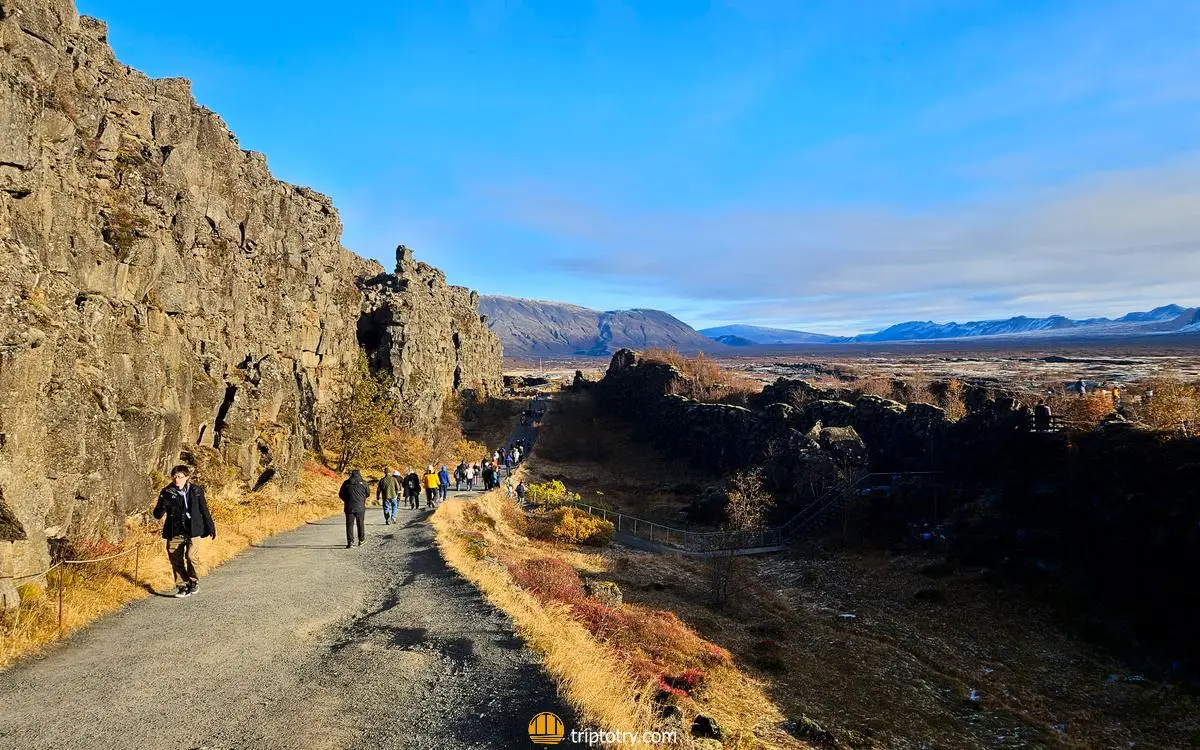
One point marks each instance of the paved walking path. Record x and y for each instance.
(296, 643)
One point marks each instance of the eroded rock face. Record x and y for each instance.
(159, 289)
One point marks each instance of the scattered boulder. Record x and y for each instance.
(607, 593)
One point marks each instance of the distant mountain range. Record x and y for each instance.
(535, 328)
(1160, 320)
(739, 335)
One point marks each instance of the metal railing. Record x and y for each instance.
(718, 541)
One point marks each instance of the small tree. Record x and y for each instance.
(1171, 404)
(746, 517)
(358, 418)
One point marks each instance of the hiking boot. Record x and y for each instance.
(349, 545)
(193, 587)
(183, 592)
(360, 542)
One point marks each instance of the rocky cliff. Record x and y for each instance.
(160, 291)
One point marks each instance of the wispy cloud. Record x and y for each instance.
(1102, 244)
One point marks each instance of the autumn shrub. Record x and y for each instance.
(549, 579)
(571, 526)
(549, 495)
(703, 379)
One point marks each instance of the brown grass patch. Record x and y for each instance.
(616, 665)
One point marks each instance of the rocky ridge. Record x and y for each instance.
(160, 290)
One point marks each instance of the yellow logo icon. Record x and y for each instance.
(546, 729)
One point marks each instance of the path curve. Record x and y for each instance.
(295, 643)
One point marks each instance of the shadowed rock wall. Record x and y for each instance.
(160, 290)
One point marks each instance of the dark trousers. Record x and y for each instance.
(359, 519)
(179, 551)
(431, 494)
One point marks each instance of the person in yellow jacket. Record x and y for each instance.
(431, 483)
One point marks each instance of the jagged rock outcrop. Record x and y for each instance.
(160, 290)
(399, 310)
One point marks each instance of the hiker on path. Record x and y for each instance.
(508, 487)
(389, 493)
(354, 494)
(521, 493)
(443, 483)
(431, 487)
(469, 476)
(459, 476)
(187, 517)
(412, 489)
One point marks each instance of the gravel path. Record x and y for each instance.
(296, 643)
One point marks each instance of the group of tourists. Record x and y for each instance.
(486, 474)
(184, 508)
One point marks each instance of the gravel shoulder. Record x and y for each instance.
(296, 643)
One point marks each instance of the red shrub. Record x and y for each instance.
(549, 579)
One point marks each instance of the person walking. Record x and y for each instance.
(412, 489)
(508, 487)
(469, 472)
(187, 517)
(521, 492)
(388, 492)
(431, 487)
(458, 477)
(443, 483)
(354, 494)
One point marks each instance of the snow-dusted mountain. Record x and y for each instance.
(1160, 320)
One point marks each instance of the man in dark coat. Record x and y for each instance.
(354, 494)
(187, 517)
(412, 488)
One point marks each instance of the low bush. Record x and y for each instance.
(549, 579)
(571, 526)
(552, 494)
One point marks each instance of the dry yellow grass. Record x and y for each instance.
(94, 590)
(591, 674)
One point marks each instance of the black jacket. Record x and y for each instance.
(354, 493)
(412, 484)
(193, 521)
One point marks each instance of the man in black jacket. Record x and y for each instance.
(412, 489)
(187, 517)
(354, 494)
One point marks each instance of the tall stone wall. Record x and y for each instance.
(160, 291)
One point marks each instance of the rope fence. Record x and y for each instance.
(61, 583)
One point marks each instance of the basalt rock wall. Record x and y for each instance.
(161, 292)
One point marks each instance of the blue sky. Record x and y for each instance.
(824, 165)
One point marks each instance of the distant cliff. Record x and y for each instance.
(537, 328)
(161, 292)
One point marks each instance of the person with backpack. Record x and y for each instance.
(443, 483)
(354, 494)
(186, 511)
(459, 477)
(521, 492)
(412, 489)
(388, 492)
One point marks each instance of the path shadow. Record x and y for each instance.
(141, 584)
(298, 546)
